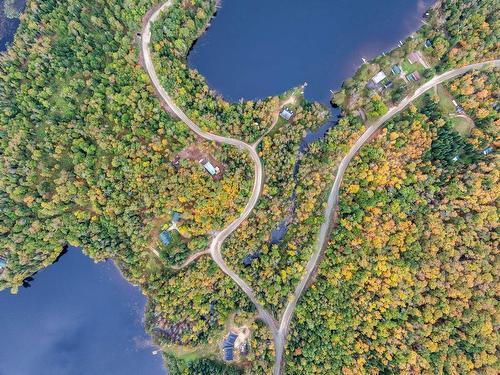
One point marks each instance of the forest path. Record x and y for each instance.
(216, 244)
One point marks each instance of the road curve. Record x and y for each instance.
(334, 195)
(215, 246)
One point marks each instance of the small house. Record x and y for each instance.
(166, 238)
(228, 346)
(427, 43)
(488, 150)
(413, 58)
(379, 77)
(458, 108)
(396, 69)
(286, 113)
(415, 76)
(209, 167)
(247, 261)
(3, 263)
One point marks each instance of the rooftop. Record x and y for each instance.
(228, 354)
(286, 113)
(379, 77)
(210, 168)
(166, 238)
(488, 150)
(228, 346)
(176, 216)
(413, 57)
(396, 69)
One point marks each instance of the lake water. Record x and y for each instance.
(258, 48)
(8, 26)
(80, 318)
(77, 318)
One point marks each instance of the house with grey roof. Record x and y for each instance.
(286, 113)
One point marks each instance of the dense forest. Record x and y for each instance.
(89, 157)
(408, 282)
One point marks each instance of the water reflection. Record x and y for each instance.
(77, 318)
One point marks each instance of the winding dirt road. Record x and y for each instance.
(334, 196)
(215, 246)
(279, 330)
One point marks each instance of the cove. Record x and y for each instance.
(77, 317)
(254, 49)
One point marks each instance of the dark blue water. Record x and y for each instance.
(257, 48)
(8, 26)
(77, 318)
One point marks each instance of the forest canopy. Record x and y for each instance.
(89, 157)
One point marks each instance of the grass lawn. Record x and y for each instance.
(463, 125)
(410, 68)
(445, 100)
(191, 354)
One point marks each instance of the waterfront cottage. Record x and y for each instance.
(286, 113)
(413, 58)
(396, 69)
(379, 77)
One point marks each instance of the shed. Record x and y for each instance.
(396, 69)
(379, 77)
(427, 43)
(286, 113)
(3, 263)
(413, 58)
(166, 238)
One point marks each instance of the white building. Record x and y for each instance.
(379, 77)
